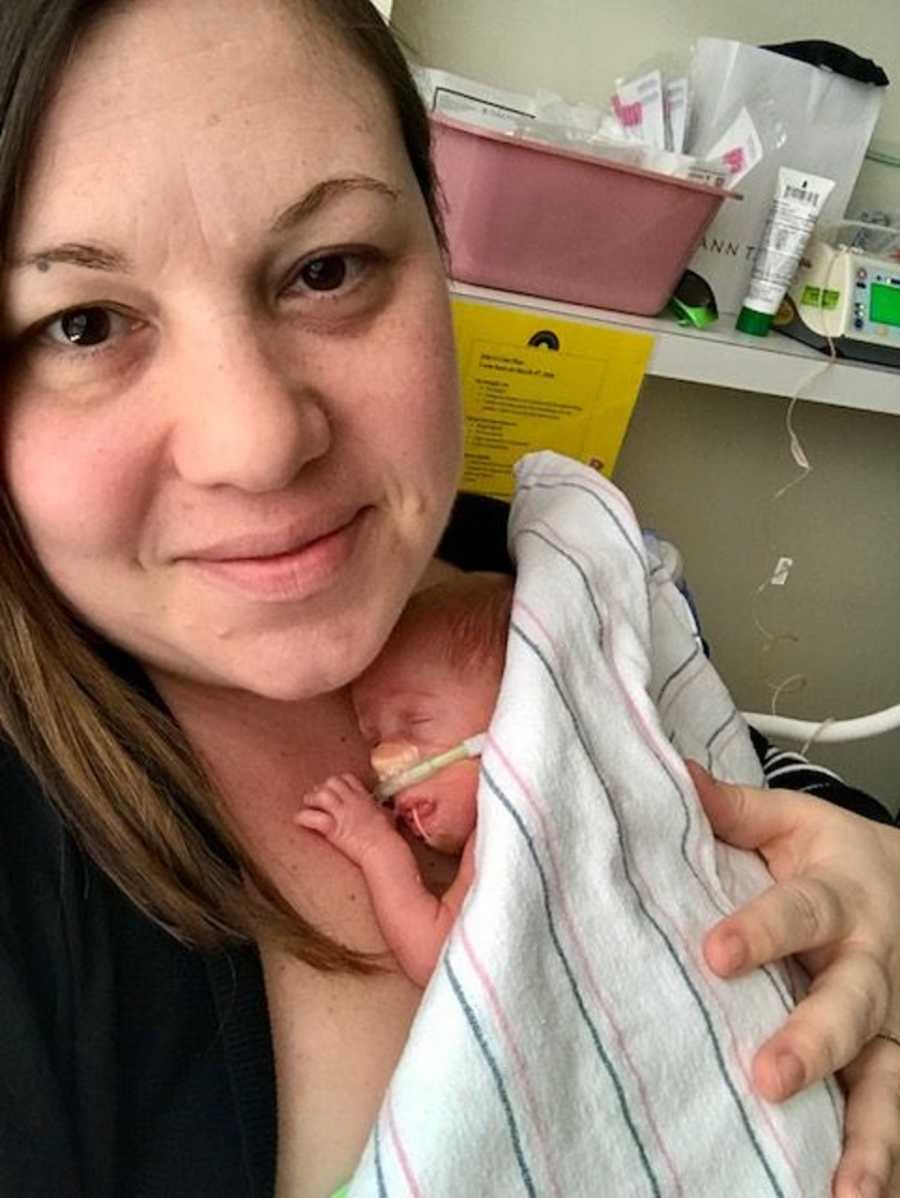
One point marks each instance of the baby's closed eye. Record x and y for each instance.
(397, 728)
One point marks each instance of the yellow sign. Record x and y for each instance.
(532, 381)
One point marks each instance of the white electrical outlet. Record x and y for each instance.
(781, 571)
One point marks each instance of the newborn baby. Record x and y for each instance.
(433, 688)
(573, 979)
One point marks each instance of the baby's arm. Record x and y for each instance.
(414, 922)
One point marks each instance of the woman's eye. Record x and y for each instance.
(77, 347)
(84, 328)
(325, 274)
(330, 273)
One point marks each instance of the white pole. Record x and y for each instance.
(825, 732)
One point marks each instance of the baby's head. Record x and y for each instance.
(434, 685)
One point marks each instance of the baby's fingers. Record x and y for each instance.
(870, 1165)
(795, 916)
(315, 820)
(827, 1029)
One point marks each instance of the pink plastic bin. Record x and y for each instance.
(555, 223)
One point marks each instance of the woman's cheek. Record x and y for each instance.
(426, 382)
(77, 486)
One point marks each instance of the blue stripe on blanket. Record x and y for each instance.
(768, 970)
(481, 1040)
(676, 672)
(557, 484)
(670, 948)
(718, 732)
(570, 977)
(685, 809)
(379, 1164)
(573, 561)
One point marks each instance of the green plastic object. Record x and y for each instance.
(693, 302)
(757, 324)
(688, 314)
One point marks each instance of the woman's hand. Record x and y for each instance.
(836, 905)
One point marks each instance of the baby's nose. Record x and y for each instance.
(390, 757)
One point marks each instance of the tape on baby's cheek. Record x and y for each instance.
(393, 757)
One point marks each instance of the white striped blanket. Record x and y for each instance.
(572, 1042)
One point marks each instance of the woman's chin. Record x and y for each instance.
(286, 690)
(291, 677)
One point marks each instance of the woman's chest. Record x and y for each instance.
(336, 1037)
(336, 1040)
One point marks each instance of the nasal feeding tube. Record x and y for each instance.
(472, 746)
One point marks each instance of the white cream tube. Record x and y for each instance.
(798, 201)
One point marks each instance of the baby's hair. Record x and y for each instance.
(466, 619)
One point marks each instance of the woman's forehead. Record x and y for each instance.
(159, 56)
(241, 94)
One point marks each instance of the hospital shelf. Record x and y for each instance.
(722, 357)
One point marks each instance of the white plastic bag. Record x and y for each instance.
(828, 122)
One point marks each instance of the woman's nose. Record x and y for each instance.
(242, 418)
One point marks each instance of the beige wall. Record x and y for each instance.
(701, 463)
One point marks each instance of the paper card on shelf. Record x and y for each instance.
(532, 381)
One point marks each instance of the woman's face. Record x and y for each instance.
(231, 428)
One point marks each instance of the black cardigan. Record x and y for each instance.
(131, 1067)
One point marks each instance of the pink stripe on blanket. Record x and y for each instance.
(521, 1067)
(400, 1152)
(584, 959)
(662, 750)
(761, 1106)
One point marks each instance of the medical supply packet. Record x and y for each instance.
(638, 129)
(470, 100)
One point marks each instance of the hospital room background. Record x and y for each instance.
(701, 462)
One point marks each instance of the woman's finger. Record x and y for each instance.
(795, 916)
(870, 1166)
(742, 815)
(828, 1028)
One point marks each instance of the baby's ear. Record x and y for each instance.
(369, 735)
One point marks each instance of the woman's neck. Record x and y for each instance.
(252, 744)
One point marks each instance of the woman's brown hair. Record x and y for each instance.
(106, 753)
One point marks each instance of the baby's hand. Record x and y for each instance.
(347, 815)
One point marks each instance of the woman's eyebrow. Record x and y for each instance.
(96, 257)
(90, 257)
(327, 190)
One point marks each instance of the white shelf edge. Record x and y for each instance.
(722, 357)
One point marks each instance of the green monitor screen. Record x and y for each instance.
(884, 307)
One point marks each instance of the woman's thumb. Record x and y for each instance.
(744, 816)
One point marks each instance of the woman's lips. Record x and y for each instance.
(291, 575)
